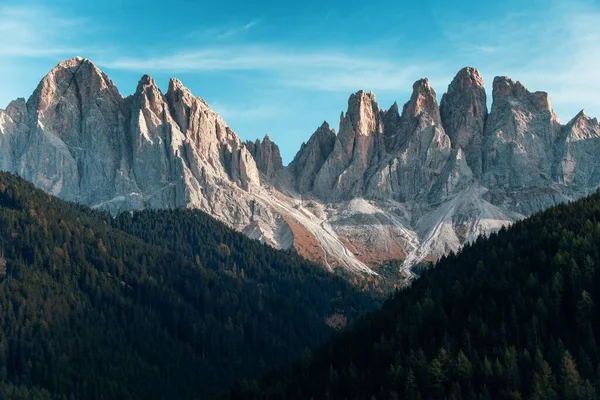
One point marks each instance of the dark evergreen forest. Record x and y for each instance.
(150, 305)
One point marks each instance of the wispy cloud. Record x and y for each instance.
(234, 31)
(222, 32)
(315, 69)
(30, 37)
(249, 112)
(553, 48)
(36, 32)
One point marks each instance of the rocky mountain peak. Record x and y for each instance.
(542, 102)
(358, 144)
(581, 127)
(149, 95)
(519, 138)
(73, 63)
(146, 83)
(267, 156)
(178, 93)
(180, 100)
(506, 88)
(422, 86)
(80, 71)
(17, 110)
(362, 112)
(311, 157)
(463, 111)
(74, 79)
(511, 94)
(577, 147)
(325, 128)
(422, 102)
(391, 125)
(324, 131)
(466, 79)
(176, 85)
(580, 118)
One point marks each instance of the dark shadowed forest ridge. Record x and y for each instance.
(88, 311)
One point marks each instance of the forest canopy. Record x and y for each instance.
(153, 304)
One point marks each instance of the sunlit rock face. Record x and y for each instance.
(409, 184)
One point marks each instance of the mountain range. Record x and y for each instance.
(406, 184)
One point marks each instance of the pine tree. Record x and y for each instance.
(464, 368)
(411, 390)
(571, 384)
(543, 380)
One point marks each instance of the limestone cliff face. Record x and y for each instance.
(391, 126)
(358, 146)
(577, 150)
(209, 143)
(463, 111)
(268, 161)
(519, 137)
(410, 184)
(424, 147)
(418, 152)
(77, 121)
(311, 157)
(78, 138)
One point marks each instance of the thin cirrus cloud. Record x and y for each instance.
(245, 112)
(30, 37)
(224, 32)
(27, 32)
(552, 48)
(313, 69)
(231, 32)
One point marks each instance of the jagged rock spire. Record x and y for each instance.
(358, 145)
(362, 113)
(267, 156)
(311, 157)
(422, 102)
(519, 137)
(391, 126)
(180, 101)
(17, 110)
(463, 110)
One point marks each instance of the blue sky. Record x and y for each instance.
(284, 67)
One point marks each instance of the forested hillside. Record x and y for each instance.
(89, 311)
(513, 316)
